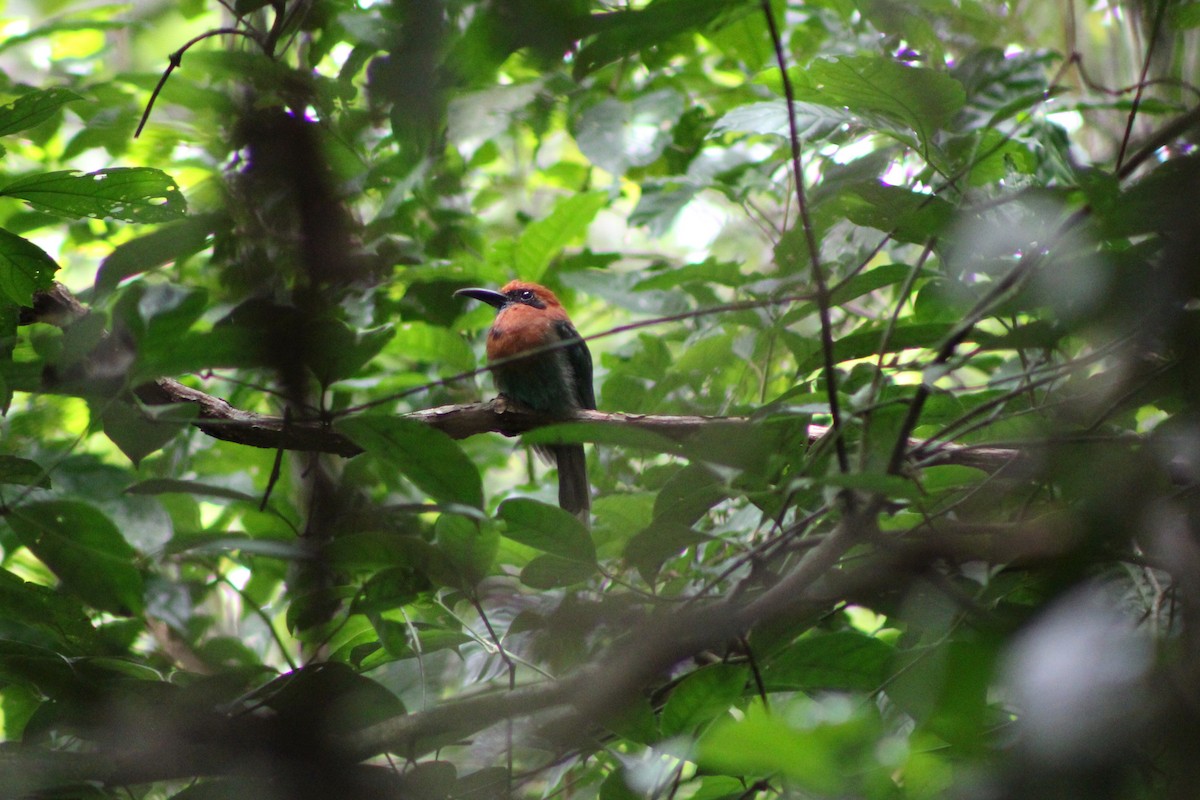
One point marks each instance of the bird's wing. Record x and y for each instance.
(580, 359)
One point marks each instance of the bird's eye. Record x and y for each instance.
(526, 294)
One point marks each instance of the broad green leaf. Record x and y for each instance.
(813, 120)
(553, 572)
(339, 352)
(23, 472)
(422, 342)
(344, 700)
(866, 344)
(703, 696)
(469, 547)
(616, 787)
(616, 136)
(624, 33)
(687, 495)
(841, 660)
(541, 241)
(653, 545)
(763, 744)
(909, 216)
(547, 528)
(611, 435)
(85, 550)
(32, 109)
(141, 430)
(375, 549)
(156, 486)
(424, 455)
(25, 268)
(133, 194)
(171, 242)
(228, 543)
(924, 100)
(50, 613)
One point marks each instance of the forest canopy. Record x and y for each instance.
(892, 313)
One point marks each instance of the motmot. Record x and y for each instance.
(556, 381)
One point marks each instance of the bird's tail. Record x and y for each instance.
(573, 492)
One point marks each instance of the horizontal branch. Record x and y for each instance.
(219, 419)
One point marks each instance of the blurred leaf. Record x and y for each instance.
(426, 456)
(841, 660)
(650, 547)
(702, 697)
(155, 486)
(616, 136)
(23, 472)
(141, 430)
(33, 109)
(762, 744)
(133, 194)
(84, 549)
(552, 572)
(171, 242)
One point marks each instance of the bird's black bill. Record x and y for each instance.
(492, 298)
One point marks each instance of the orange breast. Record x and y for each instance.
(518, 329)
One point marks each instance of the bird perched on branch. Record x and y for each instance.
(555, 381)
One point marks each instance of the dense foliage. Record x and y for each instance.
(937, 278)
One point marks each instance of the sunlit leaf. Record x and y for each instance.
(133, 194)
(33, 108)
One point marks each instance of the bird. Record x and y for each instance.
(556, 381)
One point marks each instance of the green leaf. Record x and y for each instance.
(924, 100)
(133, 194)
(649, 548)
(33, 109)
(141, 430)
(611, 435)
(339, 352)
(616, 136)
(703, 696)
(469, 547)
(553, 572)
(541, 241)
(172, 242)
(625, 33)
(85, 550)
(841, 660)
(425, 455)
(763, 744)
(866, 343)
(687, 495)
(769, 118)
(157, 486)
(23, 472)
(25, 268)
(547, 528)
